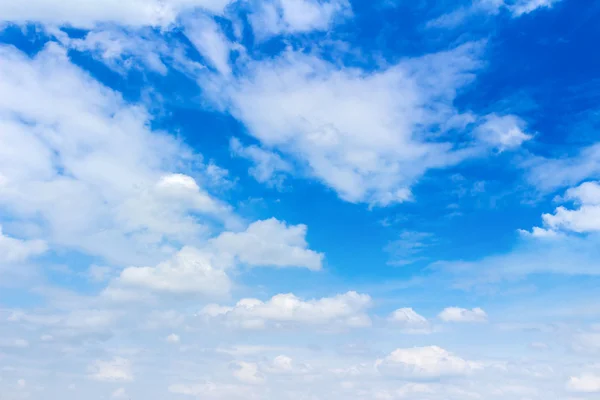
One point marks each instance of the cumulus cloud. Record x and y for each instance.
(456, 314)
(14, 250)
(269, 243)
(347, 310)
(189, 271)
(173, 338)
(424, 363)
(503, 132)
(364, 134)
(275, 17)
(409, 321)
(83, 166)
(204, 271)
(586, 383)
(115, 370)
(248, 373)
(583, 219)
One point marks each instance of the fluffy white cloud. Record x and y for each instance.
(269, 243)
(173, 338)
(14, 250)
(409, 321)
(90, 13)
(190, 271)
(367, 135)
(586, 383)
(115, 370)
(342, 310)
(248, 373)
(268, 167)
(503, 132)
(585, 218)
(81, 165)
(425, 362)
(274, 17)
(456, 314)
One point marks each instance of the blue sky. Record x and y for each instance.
(299, 199)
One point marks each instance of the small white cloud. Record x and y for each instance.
(425, 362)
(522, 7)
(269, 243)
(14, 250)
(586, 383)
(248, 373)
(503, 132)
(268, 167)
(119, 394)
(409, 321)
(584, 218)
(457, 314)
(190, 271)
(115, 370)
(275, 17)
(173, 338)
(21, 383)
(342, 310)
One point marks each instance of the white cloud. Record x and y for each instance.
(410, 321)
(14, 250)
(82, 166)
(173, 338)
(90, 13)
(119, 393)
(549, 174)
(284, 365)
(268, 167)
(206, 36)
(425, 362)
(115, 370)
(248, 373)
(478, 8)
(189, 271)
(367, 135)
(503, 132)
(342, 310)
(456, 314)
(586, 383)
(521, 7)
(204, 271)
(275, 17)
(269, 243)
(584, 219)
